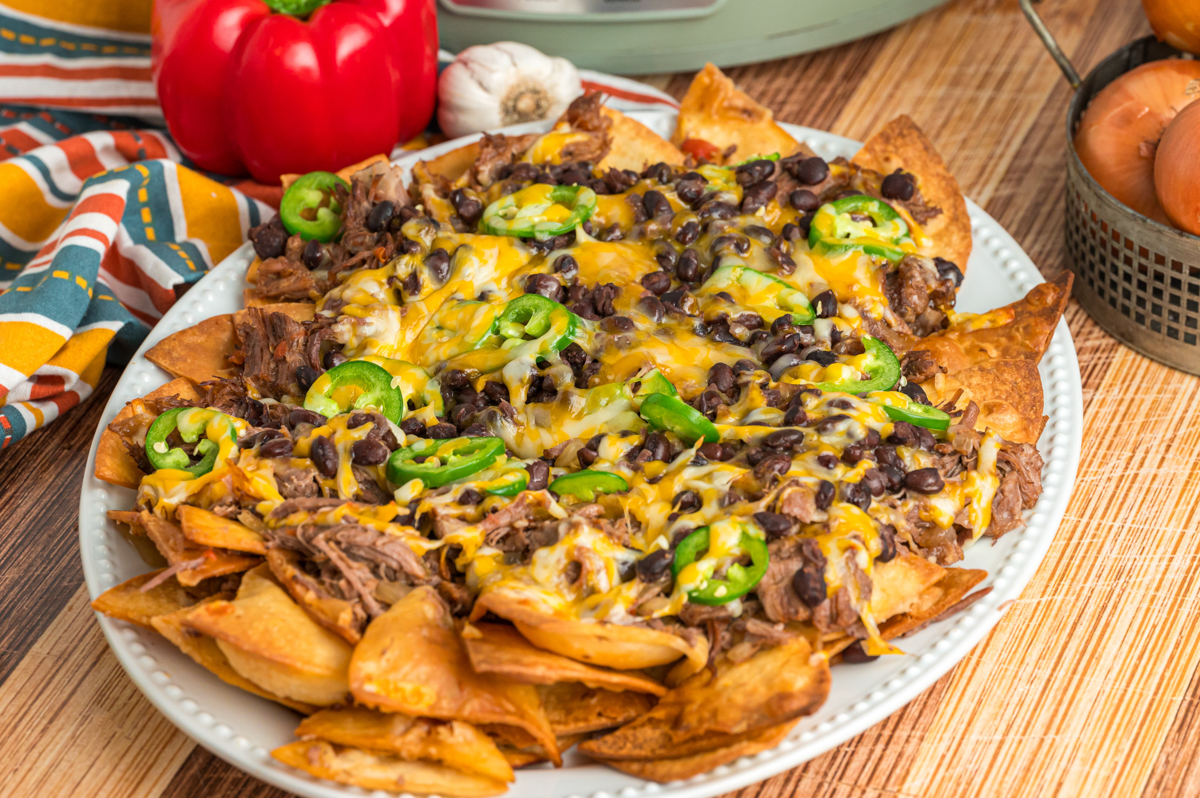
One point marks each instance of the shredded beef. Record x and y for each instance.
(788, 555)
(1020, 469)
(906, 289)
(919, 365)
(368, 489)
(495, 151)
(286, 278)
(305, 504)
(274, 346)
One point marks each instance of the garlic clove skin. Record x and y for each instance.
(489, 86)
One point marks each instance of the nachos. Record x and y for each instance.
(582, 436)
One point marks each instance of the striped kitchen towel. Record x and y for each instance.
(102, 222)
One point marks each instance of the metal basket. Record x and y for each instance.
(1137, 278)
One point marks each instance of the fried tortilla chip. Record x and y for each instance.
(209, 529)
(495, 648)
(412, 660)
(204, 651)
(635, 146)
(710, 711)
(605, 644)
(200, 352)
(373, 770)
(574, 708)
(716, 111)
(335, 614)
(452, 743)
(448, 166)
(532, 754)
(902, 145)
(130, 518)
(128, 602)
(269, 640)
(196, 562)
(936, 602)
(1020, 331)
(1008, 393)
(897, 585)
(684, 767)
(114, 464)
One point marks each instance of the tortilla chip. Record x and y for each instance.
(574, 708)
(128, 602)
(373, 770)
(523, 756)
(718, 112)
(176, 548)
(715, 710)
(448, 166)
(935, 602)
(897, 585)
(200, 352)
(412, 660)
(604, 644)
(675, 769)
(269, 640)
(130, 518)
(344, 173)
(204, 652)
(635, 146)
(495, 648)
(1020, 331)
(902, 145)
(335, 614)
(1008, 393)
(114, 464)
(452, 743)
(209, 529)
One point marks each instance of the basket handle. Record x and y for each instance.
(1060, 58)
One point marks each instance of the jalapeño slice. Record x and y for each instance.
(537, 317)
(585, 485)
(900, 408)
(755, 289)
(354, 385)
(191, 422)
(310, 207)
(666, 412)
(442, 461)
(882, 368)
(739, 579)
(835, 232)
(650, 383)
(539, 211)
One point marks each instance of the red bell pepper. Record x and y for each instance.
(293, 86)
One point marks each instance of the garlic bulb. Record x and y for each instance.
(492, 85)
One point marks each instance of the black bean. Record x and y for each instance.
(904, 434)
(438, 264)
(656, 283)
(301, 416)
(414, 427)
(750, 173)
(715, 451)
(874, 480)
(915, 392)
(721, 377)
(809, 584)
(687, 501)
(368, 452)
(380, 215)
(781, 345)
(687, 268)
(657, 206)
(357, 420)
(467, 207)
(411, 285)
(324, 456)
(852, 454)
(666, 257)
(495, 391)
(855, 654)
(795, 416)
(893, 478)
(476, 430)
(270, 242)
(546, 285)
(312, 254)
(948, 271)
(790, 232)
(456, 378)
(655, 565)
(758, 195)
(822, 357)
(617, 324)
(825, 304)
(709, 402)
(827, 461)
(830, 423)
(689, 191)
(774, 524)
(306, 375)
(659, 171)
(858, 494)
(811, 171)
(804, 223)
(658, 446)
(688, 232)
(871, 439)
(924, 480)
(840, 404)
(462, 415)
(586, 457)
(785, 439)
(898, 186)
(772, 465)
(567, 266)
(926, 439)
(718, 210)
(804, 201)
(824, 495)
(539, 475)
(886, 455)
(442, 431)
(277, 447)
(652, 307)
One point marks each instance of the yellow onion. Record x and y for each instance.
(1176, 22)
(1177, 170)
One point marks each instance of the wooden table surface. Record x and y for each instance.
(1088, 686)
